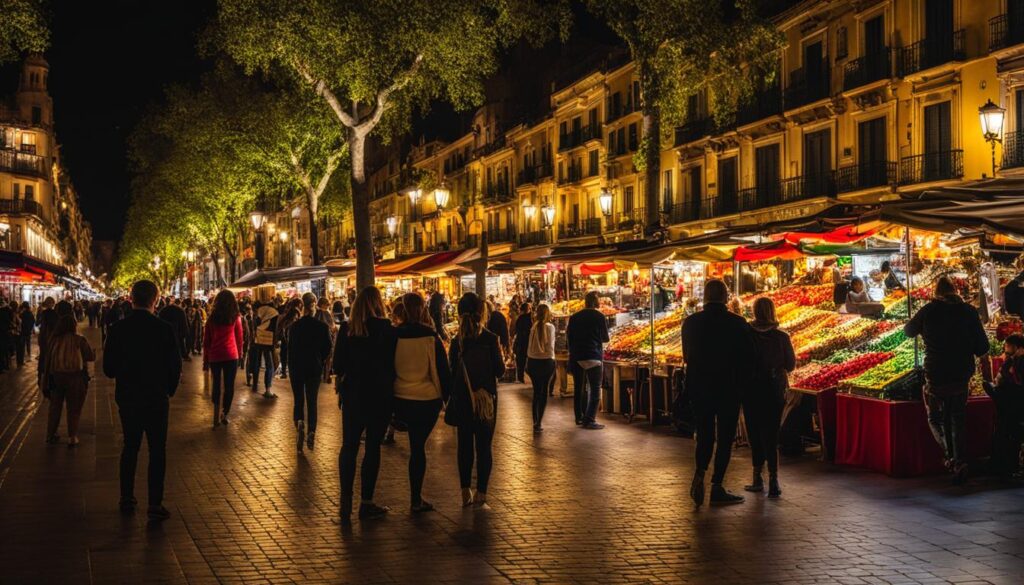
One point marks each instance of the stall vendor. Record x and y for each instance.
(857, 300)
(1008, 395)
(888, 278)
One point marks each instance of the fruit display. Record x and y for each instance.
(1008, 327)
(848, 334)
(830, 375)
(887, 341)
(803, 296)
(632, 342)
(889, 371)
(566, 308)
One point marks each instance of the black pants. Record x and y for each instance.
(763, 419)
(541, 372)
(356, 418)
(284, 358)
(151, 421)
(586, 393)
(947, 418)
(520, 363)
(419, 416)
(305, 390)
(717, 418)
(23, 348)
(476, 436)
(266, 354)
(224, 371)
(1006, 440)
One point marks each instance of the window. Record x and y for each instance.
(592, 119)
(627, 199)
(841, 50)
(561, 170)
(37, 115)
(666, 190)
(611, 143)
(636, 95)
(621, 140)
(28, 142)
(17, 192)
(30, 193)
(634, 139)
(593, 163)
(616, 105)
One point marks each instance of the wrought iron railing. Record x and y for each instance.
(538, 238)
(1006, 30)
(932, 166)
(694, 129)
(928, 53)
(763, 105)
(803, 90)
(579, 137)
(22, 163)
(533, 174)
(807, 187)
(865, 175)
(867, 69)
(1013, 150)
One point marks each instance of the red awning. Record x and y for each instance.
(848, 234)
(780, 250)
(588, 268)
(440, 262)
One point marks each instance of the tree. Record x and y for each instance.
(23, 29)
(680, 48)
(373, 61)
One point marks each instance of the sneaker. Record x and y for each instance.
(310, 439)
(158, 513)
(300, 427)
(593, 426)
(52, 439)
(757, 486)
(127, 505)
(721, 497)
(72, 442)
(269, 394)
(372, 511)
(538, 429)
(697, 489)
(423, 506)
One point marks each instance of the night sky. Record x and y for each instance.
(109, 60)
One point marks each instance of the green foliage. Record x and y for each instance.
(23, 29)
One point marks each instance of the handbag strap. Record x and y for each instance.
(462, 362)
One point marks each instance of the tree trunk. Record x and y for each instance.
(232, 264)
(219, 278)
(651, 124)
(314, 235)
(361, 213)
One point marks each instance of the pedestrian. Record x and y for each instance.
(324, 314)
(143, 357)
(247, 334)
(718, 348)
(113, 314)
(66, 378)
(338, 313)
(764, 398)
(262, 349)
(953, 337)
(422, 383)
(437, 309)
(1008, 396)
(309, 347)
(15, 347)
(7, 323)
(175, 316)
(888, 277)
(498, 325)
(292, 313)
(521, 342)
(540, 363)
(476, 364)
(223, 339)
(586, 334)
(28, 325)
(364, 365)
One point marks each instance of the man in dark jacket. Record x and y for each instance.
(309, 347)
(47, 322)
(143, 356)
(953, 337)
(1008, 396)
(521, 343)
(586, 334)
(6, 338)
(175, 316)
(498, 325)
(718, 348)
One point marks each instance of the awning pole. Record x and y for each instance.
(651, 281)
(910, 289)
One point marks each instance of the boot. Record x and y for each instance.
(697, 487)
(774, 490)
(216, 416)
(721, 497)
(300, 427)
(310, 439)
(467, 497)
(757, 486)
(345, 513)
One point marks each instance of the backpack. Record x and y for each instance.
(66, 355)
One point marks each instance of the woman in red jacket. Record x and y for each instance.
(222, 346)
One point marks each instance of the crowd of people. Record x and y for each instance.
(395, 366)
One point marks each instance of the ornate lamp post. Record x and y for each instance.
(442, 195)
(992, 117)
(257, 218)
(607, 202)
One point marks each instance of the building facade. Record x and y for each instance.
(45, 241)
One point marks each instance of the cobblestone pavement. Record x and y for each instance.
(570, 506)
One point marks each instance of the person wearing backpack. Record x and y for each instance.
(66, 378)
(476, 364)
(264, 338)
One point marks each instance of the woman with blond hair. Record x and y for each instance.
(364, 365)
(540, 361)
(766, 395)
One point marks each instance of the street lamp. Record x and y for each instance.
(548, 213)
(258, 217)
(992, 127)
(414, 195)
(442, 195)
(529, 209)
(392, 222)
(606, 200)
(282, 246)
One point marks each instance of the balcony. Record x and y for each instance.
(495, 193)
(681, 213)
(693, 130)
(9, 206)
(803, 91)
(1013, 151)
(764, 104)
(587, 227)
(21, 163)
(865, 176)
(928, 53)
(533, 174)
(625, 109)
(933, 166)
(808, 187)
(573, 175)
(1000, 32)
(627, 219)
(867, 69)
(538, 238)
(578, 137)
(494, 236)
(491, 147)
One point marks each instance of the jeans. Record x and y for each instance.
(68, 389)
(479, 436)
(266, 354)
(763, 418)
(225, 371)
(357, 417)
(947, 417)
(305, 390)
(150, 420)
(541, 373)
(586, 392)
(420, 416)
(717, 418)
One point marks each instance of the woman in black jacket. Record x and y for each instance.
(763, 402)
(475, 357)
(310, 344)
(364, 367)
(521, 343)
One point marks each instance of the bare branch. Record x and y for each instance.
(320, 87)
(383, 97)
